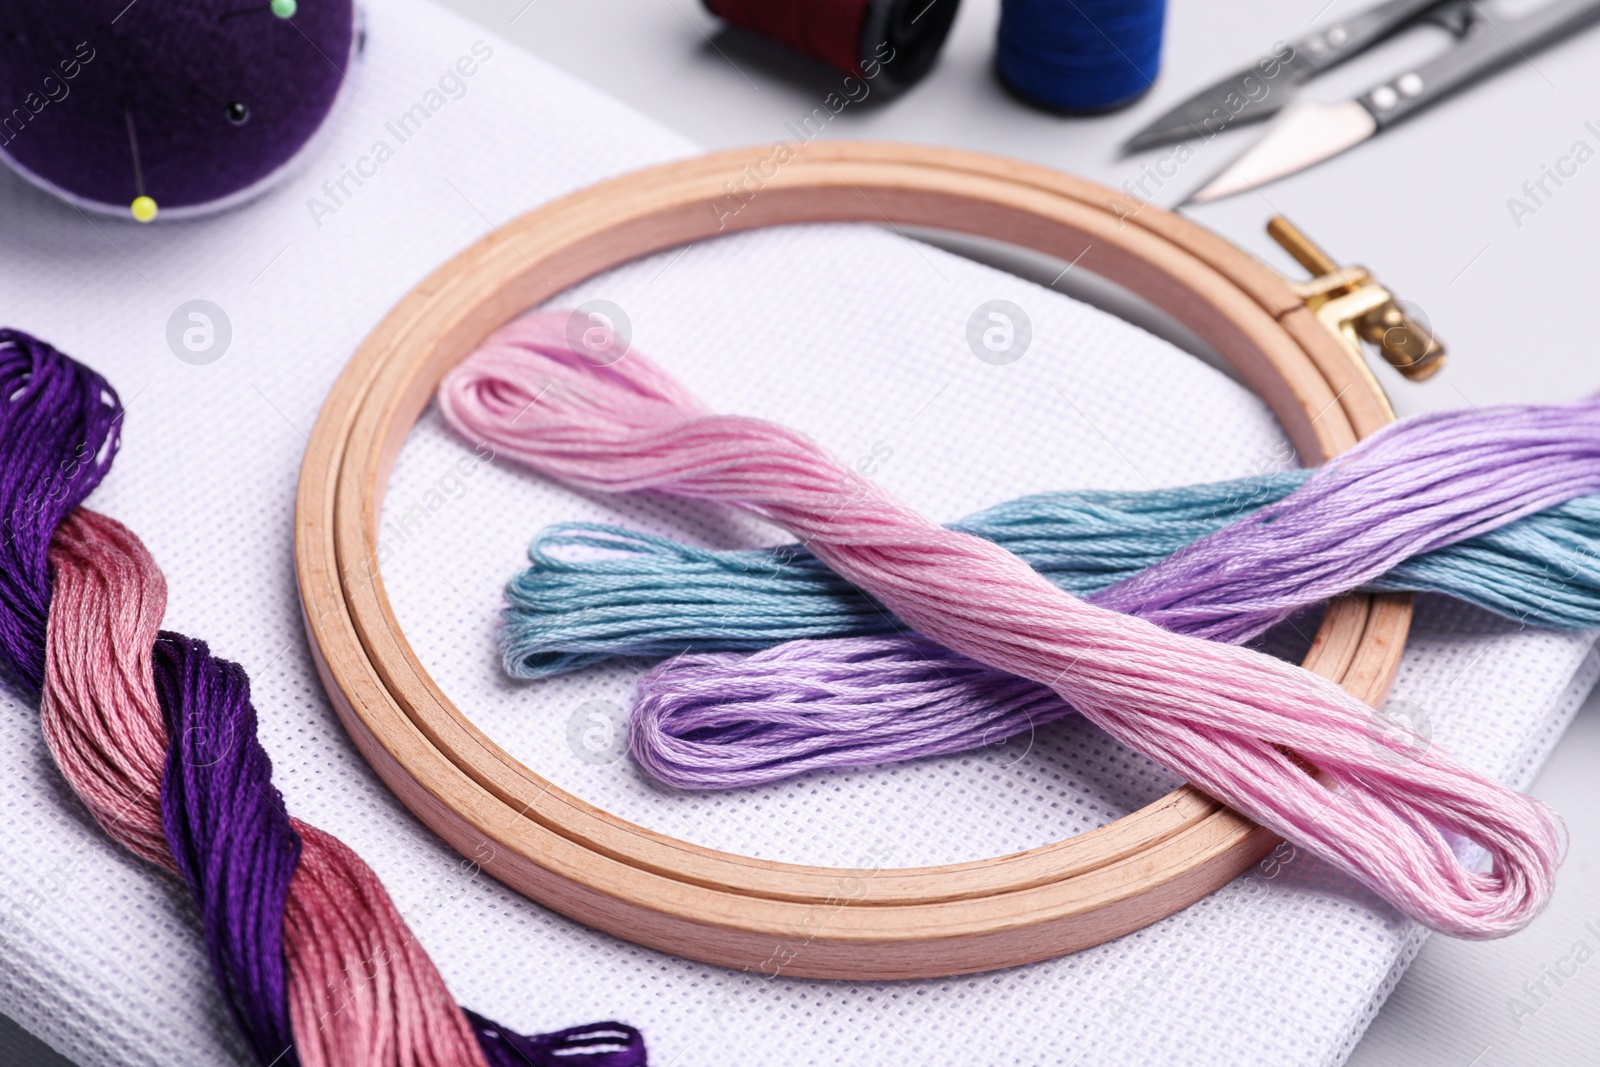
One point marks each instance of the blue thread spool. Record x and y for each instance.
(1079, 57)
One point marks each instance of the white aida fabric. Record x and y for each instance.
(854, 334)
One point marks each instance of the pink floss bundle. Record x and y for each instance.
(1225, 717)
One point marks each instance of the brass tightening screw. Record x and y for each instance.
(1412, 350)
(1298, 245)
(1404, 343)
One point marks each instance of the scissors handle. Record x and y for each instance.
(1487, 48)
(1317, 52)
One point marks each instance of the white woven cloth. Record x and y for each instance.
(855, 335)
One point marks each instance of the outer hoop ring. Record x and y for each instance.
(733, 910)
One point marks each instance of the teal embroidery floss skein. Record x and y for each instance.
(637, 594)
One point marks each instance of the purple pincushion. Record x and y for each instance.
(191, 103)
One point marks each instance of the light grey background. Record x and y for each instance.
(1424, 206)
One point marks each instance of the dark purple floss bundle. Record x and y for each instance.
(59, 424)
(230, 835)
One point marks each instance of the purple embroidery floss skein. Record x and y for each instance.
(717, 721)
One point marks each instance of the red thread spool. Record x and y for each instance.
(893, 42)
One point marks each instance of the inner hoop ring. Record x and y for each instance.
(736, 911)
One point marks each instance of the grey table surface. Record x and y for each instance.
(1427, 206)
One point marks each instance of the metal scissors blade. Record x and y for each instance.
(1307, 134)
(1257, 92)
(1261, 90)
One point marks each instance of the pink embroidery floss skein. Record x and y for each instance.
(1221, 715)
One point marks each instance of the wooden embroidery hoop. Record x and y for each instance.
(734, 910)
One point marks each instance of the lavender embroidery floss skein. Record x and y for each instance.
(710, 722)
